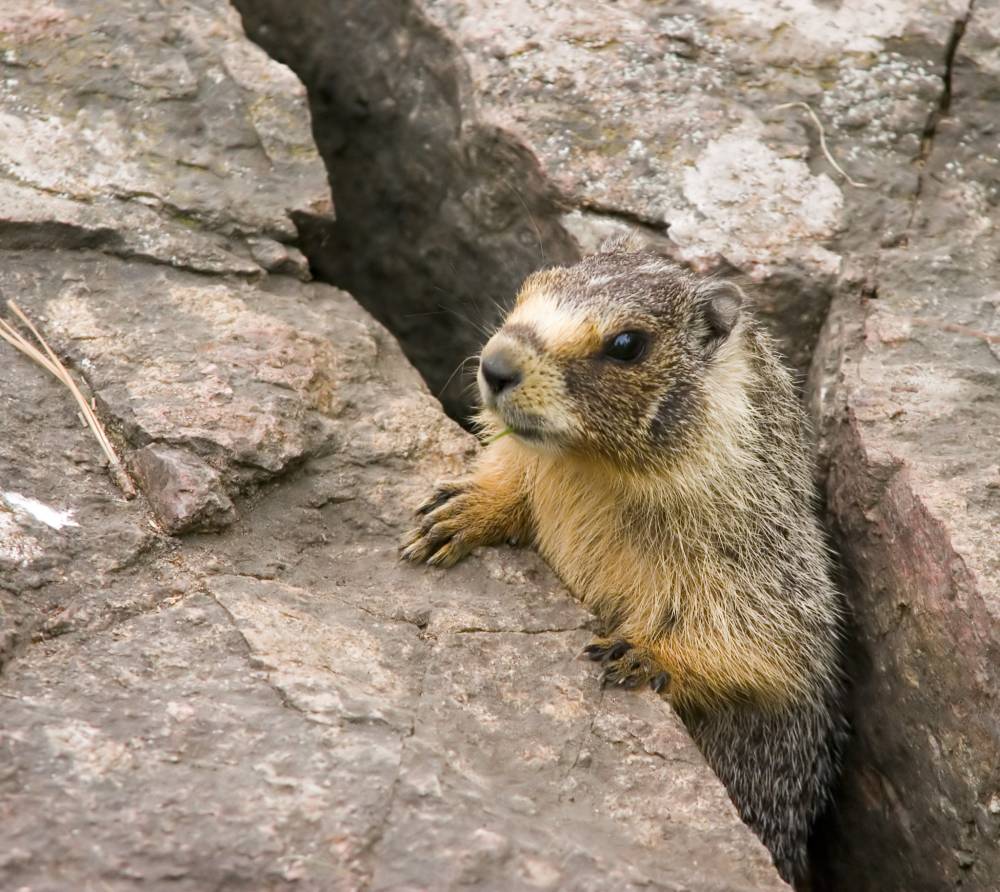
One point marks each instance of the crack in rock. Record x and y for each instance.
(942, 108)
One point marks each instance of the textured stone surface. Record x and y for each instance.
(164, 135)
(277, 703)
(184, 492)
(907, 393)
(470, 141)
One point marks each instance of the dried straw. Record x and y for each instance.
(51, 363)
(822, 141)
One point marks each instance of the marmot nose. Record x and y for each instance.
(499, 372)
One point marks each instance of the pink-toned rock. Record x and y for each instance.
(184, 492)
(906, 392)
(278, 703)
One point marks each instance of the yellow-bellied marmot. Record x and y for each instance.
(657, 458)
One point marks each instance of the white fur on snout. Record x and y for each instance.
(485, 394)
(541, 394)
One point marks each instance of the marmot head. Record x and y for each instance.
(609, 357)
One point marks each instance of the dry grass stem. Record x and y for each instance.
(822, 141)
(51, 363)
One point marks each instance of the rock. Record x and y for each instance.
(272, 701)
(278, 258)
(184, 492)
(906, 392)
(471, 142)
(191, 138)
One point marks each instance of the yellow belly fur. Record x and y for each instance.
(672, 595)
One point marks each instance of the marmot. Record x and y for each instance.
(649, 442)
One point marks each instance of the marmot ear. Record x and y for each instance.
(721, 302)
(629, 243)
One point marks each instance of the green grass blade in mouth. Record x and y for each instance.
(495, 437)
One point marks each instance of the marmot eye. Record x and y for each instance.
(627, 346)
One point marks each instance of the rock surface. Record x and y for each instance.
(272, 701)
(907, 392)
(471, 141)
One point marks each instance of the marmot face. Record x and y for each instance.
(607, 358)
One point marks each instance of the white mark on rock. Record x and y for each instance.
(853, 25)
(179, 712)
(40, 511)
(92, 753)
(756, 208)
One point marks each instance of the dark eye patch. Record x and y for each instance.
(677, 407)
(626, 346)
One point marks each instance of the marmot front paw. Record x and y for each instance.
(627, 666)
(447, 531)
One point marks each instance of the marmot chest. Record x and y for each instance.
(602, 548)
(657, 576)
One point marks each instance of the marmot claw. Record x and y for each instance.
(659, 681)
(443, 493)
(603, 653)
(627, 666)
(443, 535)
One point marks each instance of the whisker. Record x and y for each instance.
(444, 387)
(534, 225)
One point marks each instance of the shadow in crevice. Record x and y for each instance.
(439, 216)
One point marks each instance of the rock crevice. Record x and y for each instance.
(944, 103)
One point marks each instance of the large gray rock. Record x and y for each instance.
(273, 701)
(161, 136)
(906, 391)
(470, 141)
